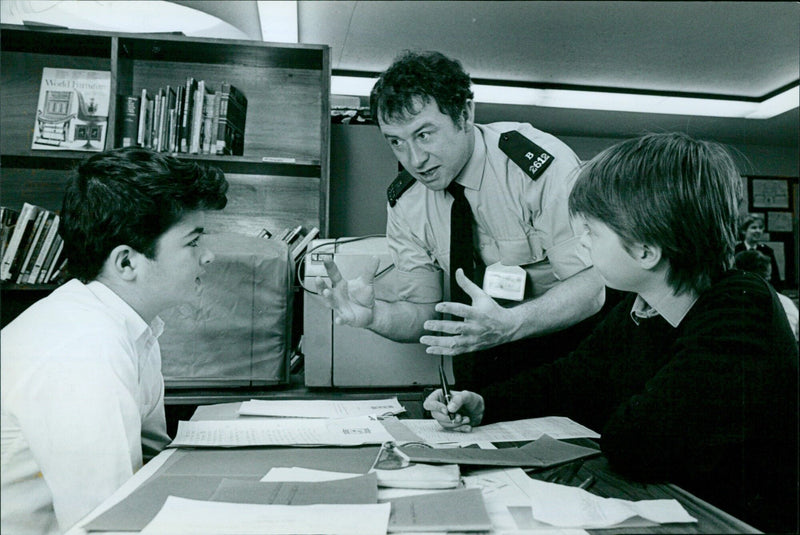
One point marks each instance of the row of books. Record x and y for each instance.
(189, 119)
(293, 237)
(32, 249)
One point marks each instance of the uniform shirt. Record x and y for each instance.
(82, 392)
(520, 221)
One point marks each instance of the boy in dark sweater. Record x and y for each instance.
(693, 378)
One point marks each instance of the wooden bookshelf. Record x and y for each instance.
(281, 180)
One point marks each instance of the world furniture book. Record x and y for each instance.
(72, 112)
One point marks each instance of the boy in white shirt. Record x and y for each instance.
(82, 392)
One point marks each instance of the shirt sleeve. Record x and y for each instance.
(81, 419)
(558, 231)
(418, 278)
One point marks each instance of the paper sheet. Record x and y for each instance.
(305, 474)
(573, 507)
(531, 429)
(500, 488)
(181, 516)
(312, 408)
(544, 452)
(281, 432)
(359, 489)
(455, 510)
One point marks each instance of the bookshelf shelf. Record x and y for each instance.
(280, 181)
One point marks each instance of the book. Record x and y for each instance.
(231, 122)
(186, 119)
(31, 247)
(208, 121)
(54, 263)
(198, 108)
(72, 111)
(302, 244)
(145, 101)
(155, 128)
(48, 238)
(175, 142)
(19, 240)
(14, 240)
(169, 126)
(129, 131)
(8, 219)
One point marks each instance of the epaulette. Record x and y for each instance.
(529, 156)
(400, 184)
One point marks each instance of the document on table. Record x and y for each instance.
(531, 429)
(313, 408)
(281, 432)
(573, 507)
(181, 516)
(544, 452)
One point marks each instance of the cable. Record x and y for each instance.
(335, 243)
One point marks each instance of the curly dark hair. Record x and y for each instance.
(130, 196)
(415, 78)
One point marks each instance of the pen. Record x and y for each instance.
(445, 389)
(588, 482)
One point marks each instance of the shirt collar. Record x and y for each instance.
(471, 176)
(669, 306)
(136, 326)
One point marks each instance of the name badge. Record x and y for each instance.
(505, 282)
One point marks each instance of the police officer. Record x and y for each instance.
(516, 180)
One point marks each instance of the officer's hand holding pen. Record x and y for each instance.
(467, 409)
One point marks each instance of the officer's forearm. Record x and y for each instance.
(566, 304)
(401, 321)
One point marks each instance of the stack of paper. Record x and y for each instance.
(281, 432)
(308, 408)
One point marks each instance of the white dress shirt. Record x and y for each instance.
(82, 394)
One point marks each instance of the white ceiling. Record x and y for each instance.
(741, 49)
(735, 49)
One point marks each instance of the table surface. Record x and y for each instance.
(607, 484)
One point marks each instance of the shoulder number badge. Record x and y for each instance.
(529, 156)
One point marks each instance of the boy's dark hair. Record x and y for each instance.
(668, 190)
(755, 262)
(416, 77)
(130, 196)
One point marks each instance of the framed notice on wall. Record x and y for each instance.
(769, 193)
(775, 200)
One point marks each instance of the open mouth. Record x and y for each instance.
(428, 174)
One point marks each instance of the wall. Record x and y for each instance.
(362, 167)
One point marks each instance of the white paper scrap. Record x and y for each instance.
(559, 427)
(317, 408)
(181, 516)
(281, 432)
(573, 507)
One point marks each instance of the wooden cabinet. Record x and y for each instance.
(281, 180)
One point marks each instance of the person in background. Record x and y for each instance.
(515, 180)
(759, 263)
(82, 392)
(751, 232)
(693, 378)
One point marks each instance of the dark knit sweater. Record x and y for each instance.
(710, 405)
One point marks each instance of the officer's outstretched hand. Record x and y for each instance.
(353, 301)
(465, 406)
(486, 324)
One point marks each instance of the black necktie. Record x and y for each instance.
(461, 242)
